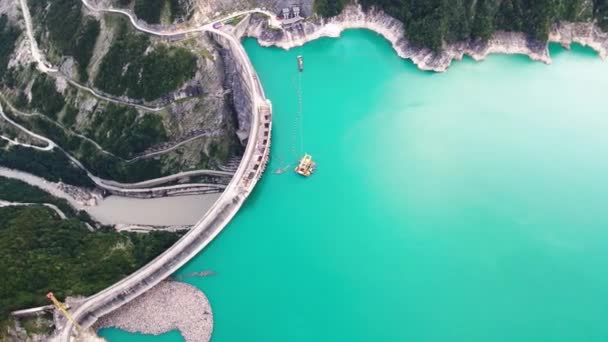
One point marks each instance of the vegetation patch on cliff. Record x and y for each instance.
(51, 165)
(149, 10)
(82, 49)
(45, 98)
(120, 130)
(130, 68)
(62, 20)
(329, 8)
(157, 11)
(8, 37)
(70, 32)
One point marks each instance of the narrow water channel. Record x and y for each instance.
(170, 211)
(166, 211)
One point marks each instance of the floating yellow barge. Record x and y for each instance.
(306, 166)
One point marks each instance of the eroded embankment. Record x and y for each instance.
(586, 34)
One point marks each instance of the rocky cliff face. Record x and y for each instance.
(241, 100)
(392, 29)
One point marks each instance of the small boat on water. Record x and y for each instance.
(306, 167)
(300, 63)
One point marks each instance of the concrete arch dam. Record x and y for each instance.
(219, 215)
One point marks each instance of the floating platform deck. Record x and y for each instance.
(306, 167)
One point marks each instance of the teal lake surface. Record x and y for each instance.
(464, 206)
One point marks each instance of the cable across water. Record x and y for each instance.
(297, 127)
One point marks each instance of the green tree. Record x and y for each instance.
(329, 8)
(149, 10)
(83, 45)
(126, 70)
(8, 37)
(45, 97)
(483, 24)
(63, 22)
(600, 12)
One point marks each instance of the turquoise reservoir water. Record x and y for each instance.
(465, 206)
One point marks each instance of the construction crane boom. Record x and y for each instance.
(62, 308)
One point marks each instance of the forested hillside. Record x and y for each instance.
(40, 252)
(430, 23)
(157, 11)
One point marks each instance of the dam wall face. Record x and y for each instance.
(236, 80)
(249, 98)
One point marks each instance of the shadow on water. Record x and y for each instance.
(557, 50)
(115, 334)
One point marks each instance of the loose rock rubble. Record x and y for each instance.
(168, 306)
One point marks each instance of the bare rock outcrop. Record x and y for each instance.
(392, 29)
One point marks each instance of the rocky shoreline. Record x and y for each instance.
(168, 306)
(586, 34)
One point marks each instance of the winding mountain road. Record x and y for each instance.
(50, 144)
(42, 64)
(108, 98)
(60, 213)
(202, 28)
(65, 129)
(123, 188)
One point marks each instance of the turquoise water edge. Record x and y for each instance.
(463, 206)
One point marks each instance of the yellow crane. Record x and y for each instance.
(62, 308)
